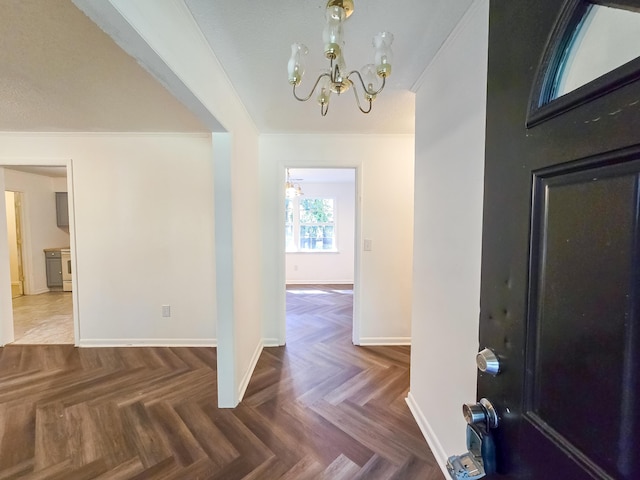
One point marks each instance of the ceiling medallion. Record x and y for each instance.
(336, 79)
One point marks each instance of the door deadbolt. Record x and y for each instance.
(488, 362)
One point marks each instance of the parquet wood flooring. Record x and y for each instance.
(318, 408)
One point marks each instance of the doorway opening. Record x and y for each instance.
(320, 251)
(39, 256)
(13, 202)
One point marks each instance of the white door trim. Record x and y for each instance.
(6, 313)
(281, 275)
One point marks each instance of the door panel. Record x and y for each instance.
(559, 269)
(584, 239)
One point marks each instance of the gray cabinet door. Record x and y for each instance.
(54, 269)
(62, 209)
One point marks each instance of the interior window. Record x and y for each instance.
(604, 39)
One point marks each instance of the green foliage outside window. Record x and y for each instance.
(316, 210)
(315, 224)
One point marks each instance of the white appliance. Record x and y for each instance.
(65, 255)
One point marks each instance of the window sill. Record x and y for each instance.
(312, 251)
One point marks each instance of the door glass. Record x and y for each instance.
(605, 39)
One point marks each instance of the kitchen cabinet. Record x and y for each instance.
(62, 209)
(53, 260)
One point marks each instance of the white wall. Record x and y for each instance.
(328, 267)
(59, 184)
(39, 224)
(142, 208)
(6, 312)
(158, 35)
(385, 204)
(450, 128)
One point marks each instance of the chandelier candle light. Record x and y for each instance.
(336, 79)
(292, 189)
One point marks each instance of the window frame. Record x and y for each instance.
(543, 105)
(295, 244)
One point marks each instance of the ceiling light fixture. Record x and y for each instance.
(292, 189)
(336, 79)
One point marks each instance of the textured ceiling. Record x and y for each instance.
(252, 41)
(60, 72)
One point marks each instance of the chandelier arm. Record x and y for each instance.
(384, 81)
(312, 90)
(355, 93)
(336, 73)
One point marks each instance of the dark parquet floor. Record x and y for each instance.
(318, 408)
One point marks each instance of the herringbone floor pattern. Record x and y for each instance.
(318, 408)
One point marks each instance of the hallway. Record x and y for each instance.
(318, 408)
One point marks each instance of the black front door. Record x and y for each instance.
(561, 248)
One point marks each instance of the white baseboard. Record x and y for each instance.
(429, 435)
(242, 388)
(320, 282)
(384, 341)
(148, 342)
(271, 342)
(38, 292)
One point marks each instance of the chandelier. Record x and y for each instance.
(292, 189)
(371, 78)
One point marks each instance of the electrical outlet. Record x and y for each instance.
(367, 245)
(166, 311)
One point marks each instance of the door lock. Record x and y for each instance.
(480, 459)
(482, 413)
(488, 362)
